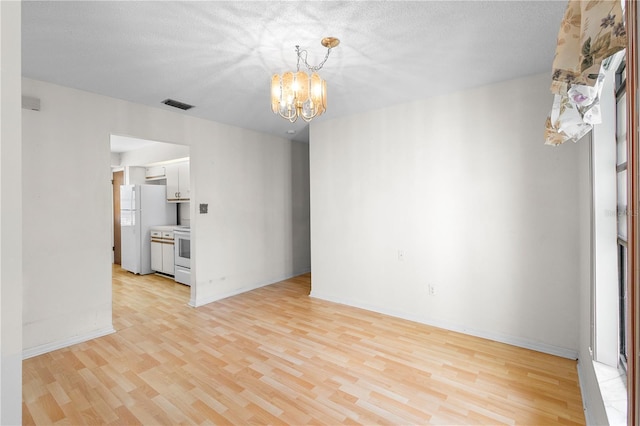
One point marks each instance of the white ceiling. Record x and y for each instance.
(220, 56)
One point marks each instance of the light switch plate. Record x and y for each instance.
(204, 208)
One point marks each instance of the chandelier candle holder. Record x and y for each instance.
(301, 93)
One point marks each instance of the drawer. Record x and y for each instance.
(167, 234)
(156, 234)
(182, 275)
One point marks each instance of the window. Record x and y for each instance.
(609, 221)
(621, 196)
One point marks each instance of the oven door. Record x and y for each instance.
(182, 249)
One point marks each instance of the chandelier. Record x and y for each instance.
(301, 93)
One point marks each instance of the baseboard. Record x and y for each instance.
(201, 302)
(192, 301)
(497, 337)
(206, 300)
(49, 347)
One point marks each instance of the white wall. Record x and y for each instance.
(481, 209)
(300, 231)
(10, 220)
(256, 231)
(245, 241)
(155, 153)
(116, 159)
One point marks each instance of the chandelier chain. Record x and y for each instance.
(313, 68)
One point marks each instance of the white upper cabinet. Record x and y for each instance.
(156, 172)
(177, 182)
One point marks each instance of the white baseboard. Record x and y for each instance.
(497, 337)
(206, 300)
(49, 347)
(192, 301)
(203, 301)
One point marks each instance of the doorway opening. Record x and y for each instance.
(151, 183)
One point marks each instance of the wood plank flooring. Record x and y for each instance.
(276, 356)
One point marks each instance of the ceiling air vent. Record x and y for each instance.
(177, 104)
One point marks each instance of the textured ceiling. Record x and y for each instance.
(219, 56)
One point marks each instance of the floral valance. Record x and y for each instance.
(590, 32)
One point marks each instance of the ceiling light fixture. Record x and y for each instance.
(301, 94)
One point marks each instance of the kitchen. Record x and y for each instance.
(151, 209)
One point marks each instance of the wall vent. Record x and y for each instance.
(177, 104)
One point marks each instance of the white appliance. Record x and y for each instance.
(182, 250)
(141, 206)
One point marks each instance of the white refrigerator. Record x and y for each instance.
(142, 206)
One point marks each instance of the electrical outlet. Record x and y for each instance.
(400, 255)
(204, 208)
(432, 290)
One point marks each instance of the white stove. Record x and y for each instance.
(182, 241)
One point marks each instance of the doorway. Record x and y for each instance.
(153, 164)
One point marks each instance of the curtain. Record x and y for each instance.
(591, 31)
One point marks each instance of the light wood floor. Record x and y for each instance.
(277, 356)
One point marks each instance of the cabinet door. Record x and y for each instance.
(184, 180)
(156, 256)
(173, 182)
(168, 259)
